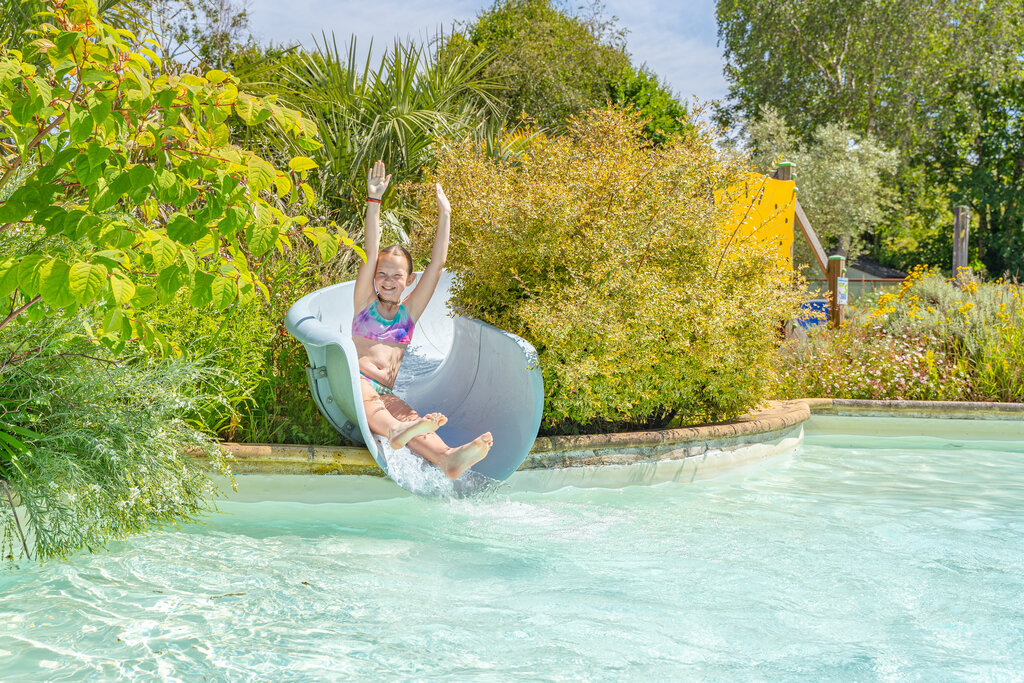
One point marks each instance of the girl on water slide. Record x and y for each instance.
(382, 330)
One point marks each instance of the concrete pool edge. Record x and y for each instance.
(949, 410)
(779, 422)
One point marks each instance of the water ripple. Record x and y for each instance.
(837, 563)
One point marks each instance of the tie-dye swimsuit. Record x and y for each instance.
(371, 325)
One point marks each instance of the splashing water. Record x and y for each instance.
(415, 474)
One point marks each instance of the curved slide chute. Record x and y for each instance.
(482, 378)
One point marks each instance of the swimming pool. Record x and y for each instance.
(866, 554)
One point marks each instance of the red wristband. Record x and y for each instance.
(373, 199)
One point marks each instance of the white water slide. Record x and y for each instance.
(482, 378)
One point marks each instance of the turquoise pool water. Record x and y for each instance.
(853, 558)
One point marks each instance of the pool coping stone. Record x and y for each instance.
(776, 421)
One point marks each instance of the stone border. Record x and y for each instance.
(778, 421)
(775, 422)
(265, 458)
(950, 410)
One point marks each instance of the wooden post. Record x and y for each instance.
(961, 236)
(836, 310)
(784, 171)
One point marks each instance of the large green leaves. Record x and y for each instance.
(128, 190)
(86, 281)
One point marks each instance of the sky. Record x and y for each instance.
(677, 40)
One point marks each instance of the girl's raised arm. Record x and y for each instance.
(417, 302)
(376, 184)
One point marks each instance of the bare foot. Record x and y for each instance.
(467, 455)
(405, 432)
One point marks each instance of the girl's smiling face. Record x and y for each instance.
(392, 277)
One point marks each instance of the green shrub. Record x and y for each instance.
(609, 255)
(260, 379)
(96, 448)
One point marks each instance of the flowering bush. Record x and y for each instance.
(930, 340)
(613, 258)
(862, 361)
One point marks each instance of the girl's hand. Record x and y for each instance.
(444, 207)
(376, 181)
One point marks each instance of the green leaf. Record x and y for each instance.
(99, 109)
(54, 283)
(140, 79)
(246, 106)
(121, 287)
(326, 244)
(207, 245)
(24, 108)
(260, 174)
(80, 224)
(118, 183)
(308, 144)
(301, 164)
(10, 445)
(28, 274)
(97, 154)
(8, 69)
(202, 290)
(141, 176)
(261, 237)
(12, 211)
(189, 259)
(57, 164)
(166, 185)
(169, 281)
(221, 135)
(87, 281)
(308, 193)
(113, 320)
(144, 296)
(65, 39)
(183, 229)
(283, 184)
(8, 276)
(164, 252)
(96, 76)
(86, 173)
(52, 218)
(224, 290)
(216, 76)
(80, 123)
(234, 218)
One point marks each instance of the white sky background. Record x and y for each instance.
(677, 40)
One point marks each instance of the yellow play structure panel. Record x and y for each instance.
(764, 211)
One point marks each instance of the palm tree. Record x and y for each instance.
(395, 112)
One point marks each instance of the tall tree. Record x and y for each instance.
(910, 75)
(982, 151)
(199, 32)
(840, 176)
(880, 66)
(555, 63)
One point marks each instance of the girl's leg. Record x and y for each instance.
(397, 431)
(452, 461)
